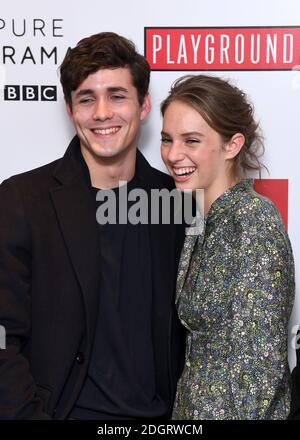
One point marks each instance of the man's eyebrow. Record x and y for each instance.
(113, 89)
(83, 92)
(117, 89)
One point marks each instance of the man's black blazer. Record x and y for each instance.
(49, 288)
(295, 403)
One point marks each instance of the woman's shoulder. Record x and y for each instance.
(260, 231)
(255, 212)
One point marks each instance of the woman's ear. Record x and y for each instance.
(234, 146)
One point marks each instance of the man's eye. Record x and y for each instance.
(85, 100)
(117, 97)
(165, 140)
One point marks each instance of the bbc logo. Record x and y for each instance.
(30, 93)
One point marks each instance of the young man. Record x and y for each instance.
(91, 327)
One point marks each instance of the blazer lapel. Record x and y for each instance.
(76, 214)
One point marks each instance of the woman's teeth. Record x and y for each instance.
(183, 171)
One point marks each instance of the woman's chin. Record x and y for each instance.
(185, 186)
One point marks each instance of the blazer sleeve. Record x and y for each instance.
(17, 388)
(263, 295)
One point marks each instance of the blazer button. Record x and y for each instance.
(80, 358)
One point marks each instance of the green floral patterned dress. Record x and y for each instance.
(235, 292)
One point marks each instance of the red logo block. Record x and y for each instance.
(223, 48)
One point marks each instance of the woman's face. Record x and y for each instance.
(192, 151)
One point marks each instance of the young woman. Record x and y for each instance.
(235, 287)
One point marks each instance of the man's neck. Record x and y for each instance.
(106, 173)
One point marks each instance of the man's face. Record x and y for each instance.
(107, 115)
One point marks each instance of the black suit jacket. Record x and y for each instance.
(49, 288)
(295, 403)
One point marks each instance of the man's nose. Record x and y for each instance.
(103, 110)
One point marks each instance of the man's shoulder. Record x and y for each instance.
(33, 181)
(40, 172)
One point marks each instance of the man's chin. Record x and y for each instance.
(103, 152)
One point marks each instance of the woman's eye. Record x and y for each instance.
(192, 141)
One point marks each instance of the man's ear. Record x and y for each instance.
(69, 109)
(146, 107)
(234, 146)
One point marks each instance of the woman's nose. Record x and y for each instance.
(175, 152)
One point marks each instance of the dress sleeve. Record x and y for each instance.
(263, 294)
